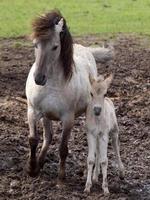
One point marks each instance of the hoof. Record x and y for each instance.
(106, 193)
(60, 183)
(62, 176)
(95, 180)
(87, 190)
(121, 172)
(122, 175)
(33, 172)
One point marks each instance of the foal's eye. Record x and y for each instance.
(54, 47)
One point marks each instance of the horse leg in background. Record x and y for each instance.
(90, 160)
(68, 122)
(32, 168)
(47, 138)
(116, 146)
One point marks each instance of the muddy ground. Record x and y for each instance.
(130, 91)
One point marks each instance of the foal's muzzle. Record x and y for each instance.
(40, 79)
(97, 110)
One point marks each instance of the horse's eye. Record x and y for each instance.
(91, 94)
(54, 47)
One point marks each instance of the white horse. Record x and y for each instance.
(58, 85)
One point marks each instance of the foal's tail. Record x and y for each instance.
(102, 54)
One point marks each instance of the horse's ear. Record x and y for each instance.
(108, 80)
(92, 79)
(59, 26)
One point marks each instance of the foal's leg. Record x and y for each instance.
(90, 160)
(47, 138)
(103, 145)
(116, 146)
(33, 141)
(63, 150)
(96, 171)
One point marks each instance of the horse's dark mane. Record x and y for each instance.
(44, 27)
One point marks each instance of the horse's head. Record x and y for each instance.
(98, 90)
(53, 44)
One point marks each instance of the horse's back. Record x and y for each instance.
(84, 60)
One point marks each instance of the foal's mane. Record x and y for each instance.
(44, 28)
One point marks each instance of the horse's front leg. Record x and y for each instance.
(47, 138)
(68, 122)
(32, 168)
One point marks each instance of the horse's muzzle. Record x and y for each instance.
(97, 110)
(40, 79)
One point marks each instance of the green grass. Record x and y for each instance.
(83, 16)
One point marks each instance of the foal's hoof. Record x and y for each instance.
(87, 190)
(121, 172)
(95, 180)
(106, 192)
(122, 175)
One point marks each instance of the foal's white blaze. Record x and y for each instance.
(99, 128)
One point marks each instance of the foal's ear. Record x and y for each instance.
(92, 79)
(108, 80)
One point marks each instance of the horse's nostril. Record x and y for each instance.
(40, 79)
(97, 110)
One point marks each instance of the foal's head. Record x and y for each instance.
(53, 43)
(98, 90)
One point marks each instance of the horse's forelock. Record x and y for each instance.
(44, 25)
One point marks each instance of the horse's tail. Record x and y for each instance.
(102, 54)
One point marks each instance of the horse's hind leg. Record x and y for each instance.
(47, 138)
(67, 126)
(116, 146)
(33, 141)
